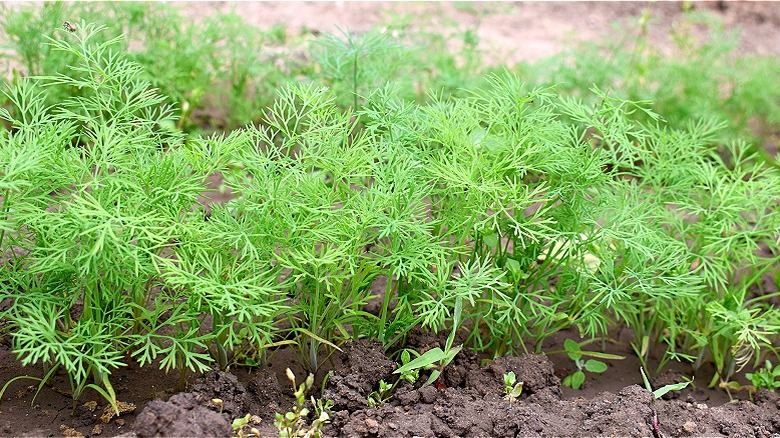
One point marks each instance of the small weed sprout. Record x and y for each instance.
(293, 423)
(434, 359)
(766, 377)
(658, 393)
(576, 353)
(243, 426)
(386, 390)
(239, 423)
(381, 395)
(512, 388)
(437, 359)
(217, 402)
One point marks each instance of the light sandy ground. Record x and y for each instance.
(508, 31)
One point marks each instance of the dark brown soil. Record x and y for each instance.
(471, 405)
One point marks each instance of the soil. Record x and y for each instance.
(509, 32)
(470, 401)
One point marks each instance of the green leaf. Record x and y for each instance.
(238, 423)
(600, 355)
(577, 379)
(426, 359)
(491, 240)
(645, 380)
(658, 393)
(516, 390)
(434, 375)
(513, 266)
(595, 366)
(572, 349)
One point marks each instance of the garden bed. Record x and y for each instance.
(473, 403)
(195, 217)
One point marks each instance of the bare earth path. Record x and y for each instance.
(509, 31)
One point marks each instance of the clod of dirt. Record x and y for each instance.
(456, 373)
(743, 418)
(109, 412)
(184, 414)
(195, 413)
(69, 432)
(626, 414)
(225, 387)
(535, 371)
(364, 365)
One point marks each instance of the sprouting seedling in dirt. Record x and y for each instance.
(218, 403)
(512, 388)
(386, 390)
(766, 377)
(658, 393)
(239, 423)
(242, 426)
(437, 359)
(293, 423)
(576, 353)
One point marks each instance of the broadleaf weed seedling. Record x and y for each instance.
(512, 388)
(765, 377)
(386, 390)
(437, 359)
(576, 353)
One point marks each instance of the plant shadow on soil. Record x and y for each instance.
(472, 405)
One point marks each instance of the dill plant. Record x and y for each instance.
(722, 207)
(90, 217)
(334, 225)
(737, 90)
(555, 213)
(355, 64)
(216, 71)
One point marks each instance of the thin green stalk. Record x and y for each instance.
(383, 312)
